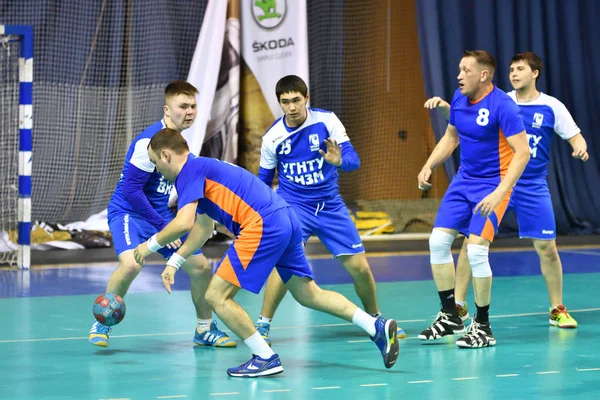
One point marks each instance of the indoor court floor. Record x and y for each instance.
(47, 313)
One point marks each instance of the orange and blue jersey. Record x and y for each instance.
(268, 233)
(483, 127)
(485, 155)
(225, 192)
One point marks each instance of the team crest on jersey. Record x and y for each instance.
(537, 120)
(313, 139)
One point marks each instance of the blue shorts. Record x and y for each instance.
(129, 230)
(456, 209)
(331, 223)
(271, 241)
(532, 206)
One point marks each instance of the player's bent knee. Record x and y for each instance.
(546, 249)
(440, 244)
(305, 292)
(197, 266)
(129, 270)
(213, 297)
(479, 260)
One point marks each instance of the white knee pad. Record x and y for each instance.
(479, 260)
(439, 247)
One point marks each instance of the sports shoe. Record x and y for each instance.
(478, 335)
(213, 337)
(400, 334)
(444, 324)
(561, 318)
(263, 328)
(256, 367)
(99, 334)
(386, 340)
(463, 312)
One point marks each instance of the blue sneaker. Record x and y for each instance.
(256, 367)
(99, 334)
(386, 340)
(213, 337)
(263, 328)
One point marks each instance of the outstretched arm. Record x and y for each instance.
(579, 146)
(520, 145)
(201, 231)
(179, 226)
(439, 103)
(442, 151)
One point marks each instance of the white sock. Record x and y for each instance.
(204, 324)
(264, 319)
(258, 346)
(376, 315)
(461, 303)
(365, 321)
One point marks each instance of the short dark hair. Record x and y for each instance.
(168, 138)
(483, 58)
(532, 59)
(176, 88)
(291, 83)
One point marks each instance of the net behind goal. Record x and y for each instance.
(16, 119)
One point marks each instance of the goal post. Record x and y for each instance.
(24, 35)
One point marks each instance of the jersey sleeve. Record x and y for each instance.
(454, 99)
(564, 124)
(190, 186)
(510, 118)
(266, 175)
(140, 158)
(268, 155)
(337, 130)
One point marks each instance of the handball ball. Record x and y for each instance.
(109, 309)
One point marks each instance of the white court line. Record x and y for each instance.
(373, 384)
(277, 390)
(177, 396)
(586, 369)
(466, 378)
(326, 388)
(547, 372)
(120, 398)
(224, 394)
(417, 382)
(506, 375)
(275, 328)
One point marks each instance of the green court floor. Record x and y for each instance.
(45, 353)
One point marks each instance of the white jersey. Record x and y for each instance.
(303, 172)
(543, 117)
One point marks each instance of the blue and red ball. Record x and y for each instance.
(109, 309)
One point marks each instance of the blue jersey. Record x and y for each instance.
(225, 192)
(303, 172)
(156, 189)
(483, 127)
(543, 117)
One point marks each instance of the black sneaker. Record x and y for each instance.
(478, 335)
(445, 324)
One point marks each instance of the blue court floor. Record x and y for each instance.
(47, 312)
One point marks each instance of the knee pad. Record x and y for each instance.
(439, 247)
(479, 260)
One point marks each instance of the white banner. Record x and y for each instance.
(274, 43)
(204, 70)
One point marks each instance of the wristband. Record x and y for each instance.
(153, 245)
(175, 261)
